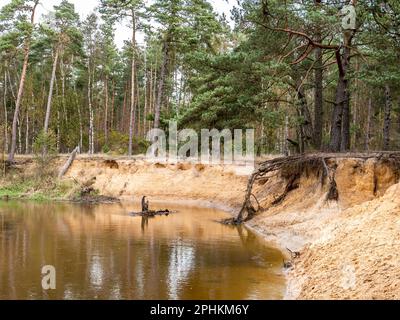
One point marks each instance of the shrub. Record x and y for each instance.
(45, 149)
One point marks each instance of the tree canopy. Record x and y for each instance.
(291, 70)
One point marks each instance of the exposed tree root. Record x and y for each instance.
(291, 185)
(291, 168)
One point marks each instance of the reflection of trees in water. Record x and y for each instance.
(6, 226)
(106, 256)
(180, 263)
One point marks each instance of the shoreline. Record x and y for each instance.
(347, 248)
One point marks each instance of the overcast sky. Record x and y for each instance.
(85, 7)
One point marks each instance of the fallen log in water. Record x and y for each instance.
(149, 213)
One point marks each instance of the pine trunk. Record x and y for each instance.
(145, 96)
(368, 129)
(21, 90)
(161, 84)
(112, 106)
(5, 115)
(387, 121)
(133, 78)
(342, 105)
(53, 77)
(106, 112)
(345, 143)
(306, 126)
(319, 102)
(91, 116)
(27, 132)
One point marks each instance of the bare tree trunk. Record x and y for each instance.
(62, 69)
(112, 106)
(80, 124)
(106, 111)
(58, 137)
(368, 129)
(27, 132)
(145, 95)
(58, 144)
(398, 115)
(21, 89)
(181, 89)
(306, 127)
(53, 77)
(387, 121)
(341, 102)
(138, 115)
(20, 136)
(345, 143)
(154, 93)
(122, 119)
(318, 91)
(133, 87)
(151, 95)
(5, 114)
(161, 84)
(319, 102)
(91, 115)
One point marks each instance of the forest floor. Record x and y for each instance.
(348, 249)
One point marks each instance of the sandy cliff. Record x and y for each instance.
(349, 248)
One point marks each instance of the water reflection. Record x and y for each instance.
(100, 252)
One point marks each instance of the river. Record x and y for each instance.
(101, 252)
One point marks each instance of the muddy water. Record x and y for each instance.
(100, 252)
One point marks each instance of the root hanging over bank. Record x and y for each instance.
(291, 168)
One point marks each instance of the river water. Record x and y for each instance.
(101, 252)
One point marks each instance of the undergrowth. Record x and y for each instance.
(41, 184)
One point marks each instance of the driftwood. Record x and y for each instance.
(151, 213)
(292, 167)
(146, 212)
(68, 164)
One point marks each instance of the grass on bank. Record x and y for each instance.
(38, 183)
(37, 180)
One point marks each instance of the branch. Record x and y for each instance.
(305, 54)
(300, 34)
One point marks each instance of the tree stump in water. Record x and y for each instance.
(149, 213)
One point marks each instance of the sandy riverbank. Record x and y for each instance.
(349, 248)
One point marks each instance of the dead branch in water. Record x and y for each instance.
(292, 167)
(149, 213)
